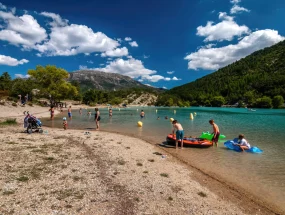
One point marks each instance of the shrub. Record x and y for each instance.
(9, 122)
(14, 104)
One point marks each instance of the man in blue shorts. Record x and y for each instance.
(69, 112)
(179, 133)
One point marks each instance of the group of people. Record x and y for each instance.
(242, 142)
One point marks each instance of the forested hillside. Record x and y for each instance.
(257, 80)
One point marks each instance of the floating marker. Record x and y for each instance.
(195, 113)
(191, 116)
(171, 119)
(119, 109)
(140, 124)
(174, 111)
(137, 109)
(156, 110)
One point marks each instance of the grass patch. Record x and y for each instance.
(128, 147)
(23, 178)
(39, 151)
(157, 153)
(8, 192)
(137, 199)
(151, 160)
(139, 164)
(63, 194)
(202, 194)
(14, 104)
(9, 122)
(49, 158)
(77, 178)
(145, 172)
(164, 175)
(121, 162)
(170, 198)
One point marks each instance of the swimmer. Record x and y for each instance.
(142, 115)
(157, 118)
(166, 117)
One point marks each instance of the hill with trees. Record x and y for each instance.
(257, 80)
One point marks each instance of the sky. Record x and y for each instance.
(162, 43)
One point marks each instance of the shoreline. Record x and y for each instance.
(245, 201)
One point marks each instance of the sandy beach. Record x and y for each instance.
(74, 172)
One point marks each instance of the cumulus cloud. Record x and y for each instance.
(215, 58)
(128, 39)
(118, 52)
(170, 72)
(9, 61)
(133, 44)
(57, 20)
(146, 56)
(227, 29)
(235, 1)
(238, 9)
(2, 6)
(21, 30)
(90, 61)
(75, 39)
(21, 76)
(176, 79)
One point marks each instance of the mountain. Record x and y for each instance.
(254, 79)
(92, 79)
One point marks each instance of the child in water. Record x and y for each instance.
(216, 132)
(242, 143)
(64, 123)
(179, 133)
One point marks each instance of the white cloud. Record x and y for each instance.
(170, 72)
(133, 44)
(119, 40)
(9, 61)
(23, 30)
(145, 56)
(227, 29)
(164, 87)
(2, 6)
(57, 20)
(167, 79)
(75, 39)
(128, 39)
(21, 76)
(237, 9)
(235, 1)
(129, 56)
(118, 52)
(215, 58)
(176, 79)
(90, 61)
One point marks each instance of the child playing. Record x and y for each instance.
(64, 123)
(242, 143)
(179, 133)
(216, 132)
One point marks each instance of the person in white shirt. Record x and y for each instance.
(242, 143)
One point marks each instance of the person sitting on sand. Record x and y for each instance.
(179, 133)
(216, 132)
(242, 143)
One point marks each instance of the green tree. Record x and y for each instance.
(277, 101)
(169, 102)
(5, 81)
(218, 101)
(264, 102)
(52, 81)
(22, 86)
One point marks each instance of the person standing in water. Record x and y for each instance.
(69, 112)
(110, 112)
(179, 133)
(97, 118)
(216, 132)
(80, 111)
(51, 112)
(142, 115)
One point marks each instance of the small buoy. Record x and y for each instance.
(191, 116)
(156, 110)
(195, 113)
(171, 119)
(140, 124)
(137, 109)
(174, 111)
(119, 109)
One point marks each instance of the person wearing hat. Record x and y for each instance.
(64, 123)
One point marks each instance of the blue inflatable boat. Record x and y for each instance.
(230, 144)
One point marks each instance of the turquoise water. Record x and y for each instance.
(261, 174)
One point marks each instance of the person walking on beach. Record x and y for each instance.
(242, 143)
(142, 115)
(80, 111)
(97, 118)
(51, 112)
(69, 112)
(179, 133)
(216, 132)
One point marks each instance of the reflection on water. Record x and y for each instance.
(264, 174)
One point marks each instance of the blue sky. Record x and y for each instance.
(164, 43)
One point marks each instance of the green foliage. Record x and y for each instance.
(9, 122)
(218, 101)
(5, 81)
(52, 81)
(247, 80)
(277, 101)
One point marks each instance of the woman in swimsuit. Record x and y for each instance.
(51, 112)
(97, 118)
